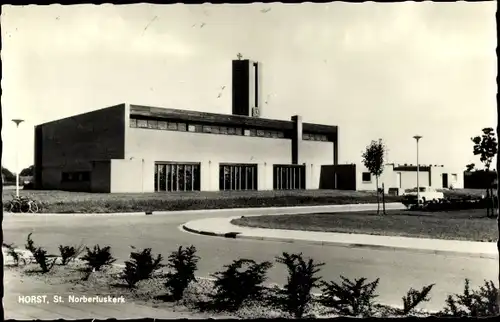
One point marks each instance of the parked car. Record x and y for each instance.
(395, 191)
(425, 194)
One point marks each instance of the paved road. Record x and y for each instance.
(398, 270)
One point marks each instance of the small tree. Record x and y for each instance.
(241, 281)
(486, 147)
(7, 175)
(11, 251)
(373, 160)
(352, 298)
(480, 302)
(184, 263)
(141, 266)
(28, 172)
(296, 298)
(470, 167)
(98, 258)
(414, 297)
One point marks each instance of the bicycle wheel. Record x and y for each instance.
(33, 207)
(24, 207)
(15, 206)
(22, 262)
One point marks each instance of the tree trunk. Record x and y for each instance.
(383, 199)
(378, 196)
(487, 202)
(492, 202)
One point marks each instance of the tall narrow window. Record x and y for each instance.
(157, 188)
(189, 177)
(288, 177)
(173, 176)
(256, 84)
(238, 177)
(162, 177)
(182, 178)
(196, 177)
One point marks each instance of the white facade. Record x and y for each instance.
(405, 177)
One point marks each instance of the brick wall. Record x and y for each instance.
(71, 144)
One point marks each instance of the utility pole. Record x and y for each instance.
(17, 121)
(418, 137)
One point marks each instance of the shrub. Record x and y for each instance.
(350, 298)
(30, 244)
(11, 251)
(296, 298)
(141, 266)
(414, 297)
(478, 303)
(39, 254)
(69, 253)
(42, 259)
(184, 262)
(98, 258)
(236, 285)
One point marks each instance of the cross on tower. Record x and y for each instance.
(239, 56)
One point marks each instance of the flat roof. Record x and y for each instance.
(161, 113)
(226, 119)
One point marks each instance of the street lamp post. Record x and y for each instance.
(418, 137)
(17, 121)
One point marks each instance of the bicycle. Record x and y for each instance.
(23, 205)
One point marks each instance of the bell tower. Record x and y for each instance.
(247, 89)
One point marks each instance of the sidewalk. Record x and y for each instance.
(222, 227)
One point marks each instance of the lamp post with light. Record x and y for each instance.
(417, 138)
(17, 121)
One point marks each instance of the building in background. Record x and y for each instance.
(133, 148)
(401, 176)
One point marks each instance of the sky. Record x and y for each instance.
(376, 70)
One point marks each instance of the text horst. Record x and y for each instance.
(40, 299)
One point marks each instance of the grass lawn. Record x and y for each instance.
(469, 225)
(81, 202)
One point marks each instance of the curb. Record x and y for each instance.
(237, 235)
(233, 235)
